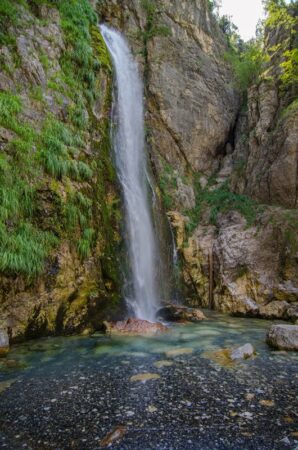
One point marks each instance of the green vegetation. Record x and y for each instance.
(8, 17)
(77, 211)
(167, 184)
(37, 94)
(10, 106)
(152, 28)
(247, 64)
(289, 110)
(100, 49)
(44, 61)
(213, 5)
(246, 58)
(212, 198)
(23, 247)
(242, 270)
(57, 146)
(78, 62)
(249, 59)
(85, 243)
(49, 158)
(220, 200)
(280, 14)
(289, 76)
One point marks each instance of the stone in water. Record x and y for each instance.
(145, 377)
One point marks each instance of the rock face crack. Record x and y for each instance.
(172, 133)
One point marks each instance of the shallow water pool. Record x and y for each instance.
(166, 392)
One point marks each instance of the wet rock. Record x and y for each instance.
(178, 222)
(244, 352)
(227, 357)
(185, 195)
(176, 313)
(11, 364)
(5, 385)
(112, 437)
(145, 377)
(134, 327)
(283, 337)
(274, 310)
(178, 351)
(292, 312)
(4, 343)
(163, 363)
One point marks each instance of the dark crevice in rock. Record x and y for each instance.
(222, 148)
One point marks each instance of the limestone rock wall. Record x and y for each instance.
(197, 128)
(240, 270)
(267, 149)
(191, 97)
(269, 161)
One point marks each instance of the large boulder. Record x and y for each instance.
(134, 327)
(175, 313)
(283, 337)
(274, 310)
(4, 343)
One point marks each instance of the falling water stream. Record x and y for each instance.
(129, 148)
(173, 390)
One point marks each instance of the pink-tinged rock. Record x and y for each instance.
(114, 436)
(134, 327)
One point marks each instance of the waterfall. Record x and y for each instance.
(130, 156)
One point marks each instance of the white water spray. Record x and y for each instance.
(129, 147)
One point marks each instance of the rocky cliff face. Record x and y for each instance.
(249, 265)
(180, 50)
(236, 256)
(214, 165)
(60, 207)
(267, 148)
(191, 99)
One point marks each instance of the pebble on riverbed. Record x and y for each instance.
(145, 377)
